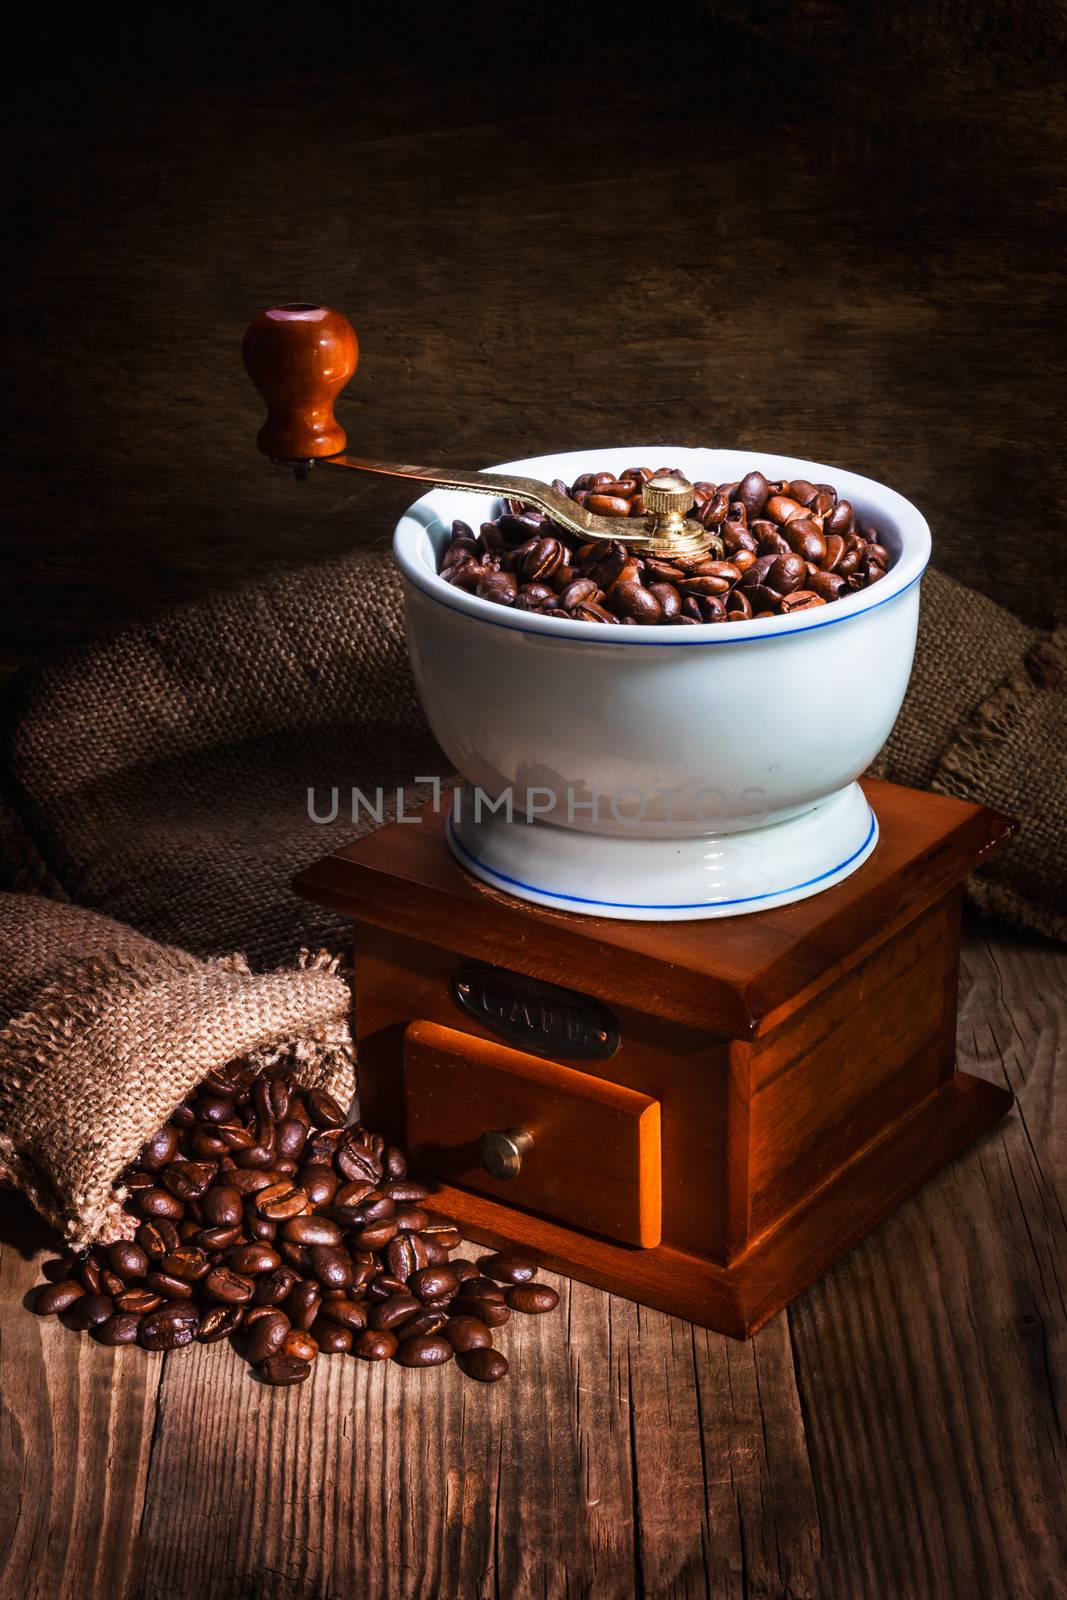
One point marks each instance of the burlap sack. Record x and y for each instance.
(985, 719)
(160, 774)
(105, 1032)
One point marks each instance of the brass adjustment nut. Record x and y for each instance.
(502, 1152)
(668, 498)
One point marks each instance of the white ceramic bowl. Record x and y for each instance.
(656, 772)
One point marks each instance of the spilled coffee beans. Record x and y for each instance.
(262, 1218)
(781, 546)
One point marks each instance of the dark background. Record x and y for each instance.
(816, 228)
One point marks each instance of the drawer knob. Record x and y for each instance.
(502, 1153)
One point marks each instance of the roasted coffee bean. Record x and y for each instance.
(311, 1231)
(323, 1109)
(159, 1331)
(186, 1262)
(352, 1196)
(207, 1262)
(508, 1266)
(355, 1162)
(253, 1259)
(382, 1285)
(332, 1338)
(56, 1297)
(299, 1345)
(375, 1236)
(404, 1192)
(160, 1149)
(427, 1351)
(532, 1298)
(281, 1201)
(271, 1288)
(347, 1313)
(219, 1322)
(494, 1313)
(207, 1143)
(222, 1207)
(303, 1303)
(411, 1219)
(786, 573)
(331, 1266)
(258, 1157)
(270, 1098)
(264, 1329)
(290, 1137)
(467, 1333)
(396, 1162)
(187, 1180)
(156, 1238)
(484, 1365)
(127, 1260)
(282, 1371)
(60, 1268)
(213, 1108)
(487, 1287)
(231, 1140)
(840, 518)
(319, 1183)
(405, 1254)
(806, 540)
(670, 600)
(602, 581)
(121, 1328)
(801, 600)
(170, 1287)
(138, 1302)
(428, 1323)
(430, 1282)
(375, 1345)
(827, 585)
(390, 1313)
(752, 493)
(155, 1203)
(631, 599)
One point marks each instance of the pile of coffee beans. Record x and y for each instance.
(778, 547)
(262, 1217)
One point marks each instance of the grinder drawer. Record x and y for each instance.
(587, 1152)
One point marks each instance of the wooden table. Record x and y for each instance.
(894, 1434)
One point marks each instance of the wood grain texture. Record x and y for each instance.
(595, 1160)
(403, 878)
(864, 268)
(897, 1435)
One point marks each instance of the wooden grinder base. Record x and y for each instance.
(782, 1081)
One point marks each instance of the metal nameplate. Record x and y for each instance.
(539, 1016)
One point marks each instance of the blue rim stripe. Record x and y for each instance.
(669, 644)
(637, 905)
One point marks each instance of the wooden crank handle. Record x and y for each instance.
(300, 357)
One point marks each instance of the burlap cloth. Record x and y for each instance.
(160, 776)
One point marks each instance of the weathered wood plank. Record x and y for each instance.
(724, 1497)
(863, 268)
(894, 1436)
(76, 1426)
(929, 1361)
(374, 1481)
